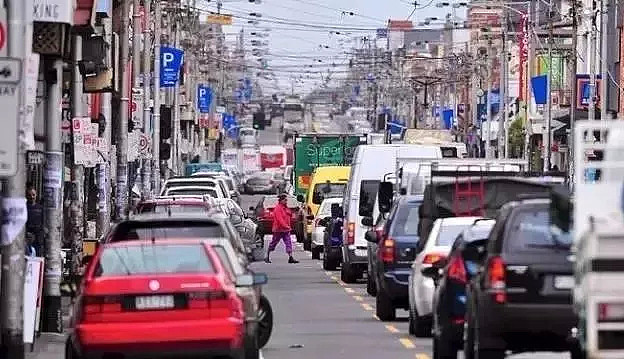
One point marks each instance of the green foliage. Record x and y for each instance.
(517, 135)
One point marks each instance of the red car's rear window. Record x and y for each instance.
(153, 258)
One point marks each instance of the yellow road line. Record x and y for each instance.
(422, 356)
(375, 316)
(408, 344)
(366, 306)
(334, 278)
(392, 328)
(328, 273)
(358, 298)
(349, 290)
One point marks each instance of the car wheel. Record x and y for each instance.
(265, 321)
(307, 244)
(422, 326)
(384, 308)
(412, 322)
(347, 274)
(251, 348)
(577, 352)
(485, 353)
(443, 349)
(316, 252)
(70, 352)
(328, 263)
(371, 288)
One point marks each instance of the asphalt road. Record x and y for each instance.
(318, 316)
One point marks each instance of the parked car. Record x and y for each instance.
(126, 288)
(260, 182)
(421, 288)
(521, 299)
(247, 136)
(333, 238)
(318, 234)
(449, 307)
(174, 205)
(195, 181)
(396, 249)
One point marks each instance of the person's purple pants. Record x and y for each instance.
(277, 236)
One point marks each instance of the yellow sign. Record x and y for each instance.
(220, 19)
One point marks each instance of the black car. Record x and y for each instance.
(449, 308)
(396, 249)
(371, 287)
(521, 299)
(332, 237)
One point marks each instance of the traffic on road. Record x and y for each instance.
(387, 250)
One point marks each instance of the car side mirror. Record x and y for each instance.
(431, 272)
(371, 236)
(300, 198)
(249, 280)
(367, 221)
(385, 195)
(252, 209)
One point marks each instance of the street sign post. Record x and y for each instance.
(136, 108)
(170, 63)
(204, 98)
(10, 75)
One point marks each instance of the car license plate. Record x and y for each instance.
(154, 302)
(361, 252)
(564, 282)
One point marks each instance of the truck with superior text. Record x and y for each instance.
(317, 150)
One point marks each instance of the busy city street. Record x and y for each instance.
(312, 179)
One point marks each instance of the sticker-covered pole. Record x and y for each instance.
(14, 210)
(121, 125)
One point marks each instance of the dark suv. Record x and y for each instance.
(397, 245)
(521, 299)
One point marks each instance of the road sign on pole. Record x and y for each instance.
(136, 108)
(10, 74)
(170, 63)
(204, 98)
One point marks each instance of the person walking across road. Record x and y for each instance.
(282, 216)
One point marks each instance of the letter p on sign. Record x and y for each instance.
(167, 59)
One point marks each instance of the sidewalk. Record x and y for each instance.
(51, 345)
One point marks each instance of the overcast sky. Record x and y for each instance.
(301, 31)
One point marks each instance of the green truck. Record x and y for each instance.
(317, 150)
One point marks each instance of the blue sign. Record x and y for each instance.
(382, 33)
(170, 64)
(204, 98)
(539, 84)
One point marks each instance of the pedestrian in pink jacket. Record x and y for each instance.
(282, 216)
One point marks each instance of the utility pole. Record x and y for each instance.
(604, 52)
(529, 70)
(502, 108)
(104, 169)
(77, 187)
(13, 188)
(548, 146)
(490, 59)
(136, 85)
(53, 184)
(122, 123)
(591, 110)
(147, 67)
(175, 135)
(573, 70)
(156, 129)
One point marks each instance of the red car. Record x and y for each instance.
(157, 298)
(263, 212)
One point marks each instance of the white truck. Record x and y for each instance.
(444, 138)
(598, 232)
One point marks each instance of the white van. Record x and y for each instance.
(370, 164)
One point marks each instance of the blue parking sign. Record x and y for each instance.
(170, 64)
(204, 98)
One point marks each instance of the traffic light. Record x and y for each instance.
(165, 133)
(258, 121)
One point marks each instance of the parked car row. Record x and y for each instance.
(175, 278)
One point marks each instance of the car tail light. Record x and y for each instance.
(100, 304)
(199, 300)
(432, 258)
(610, 312)
(497, 279)
(387, 249)
(350, 233)
(457, 270)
